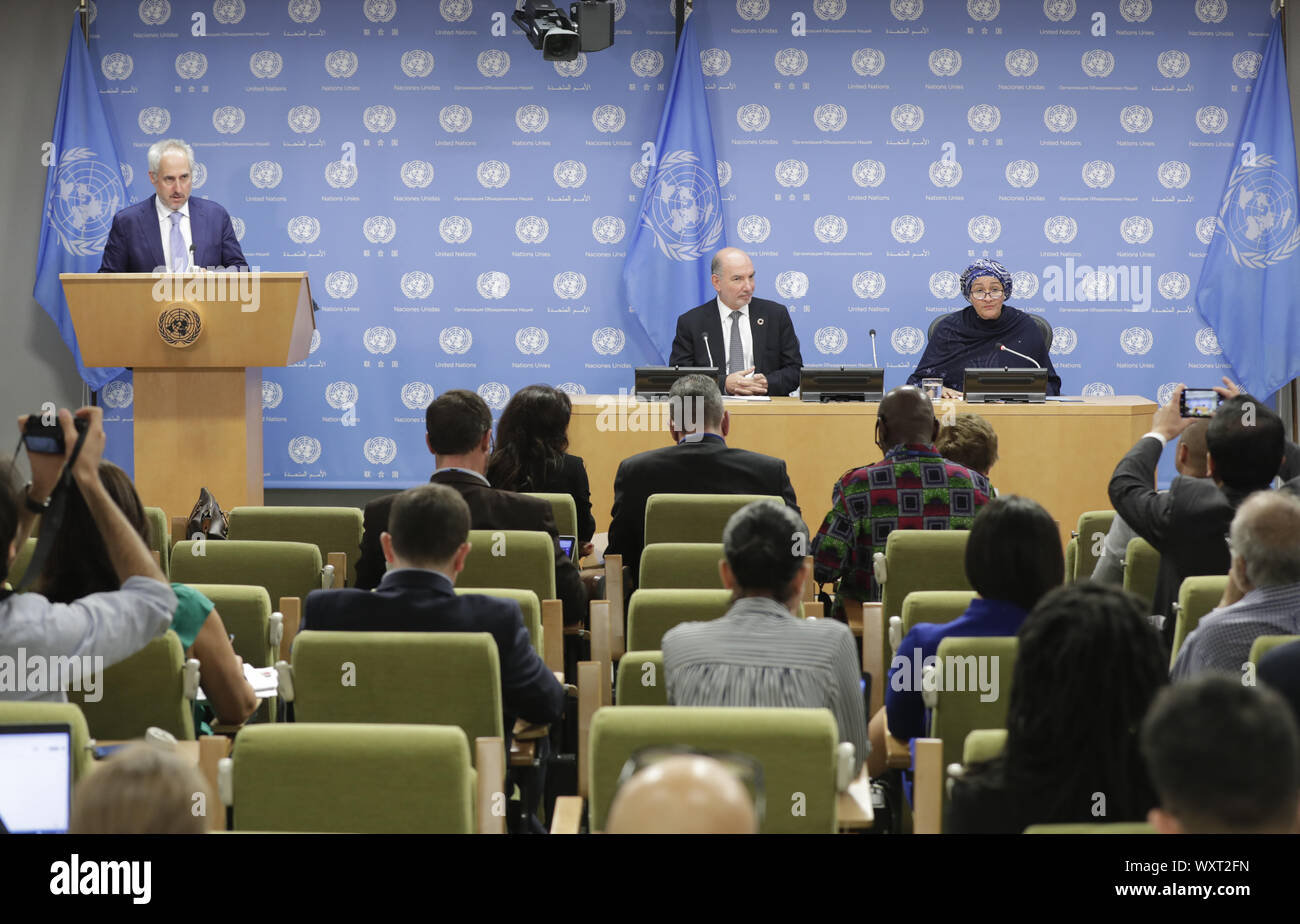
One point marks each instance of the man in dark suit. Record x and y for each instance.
(750, 339)
(169, 230)
(459, 434)
(700, 463)
(425, 543)
(1188, 523)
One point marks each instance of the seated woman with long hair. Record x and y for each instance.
(532, 453)
(79, 566)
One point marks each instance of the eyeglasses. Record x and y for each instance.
(987, 295)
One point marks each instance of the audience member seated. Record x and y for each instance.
(1280, 669)
(112, 625)
(1187, 523)
(426, 545)
(683, 794)
(1013, 558)
(1263, 592)
(700, 463)
(760, 653)
(1089, 664)
(79, 565)
(1224, 758)
(913, 487)
(969, 440)
(459, 434)
(1189, 461)
(532, 453)
(143, 789)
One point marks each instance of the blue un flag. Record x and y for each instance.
(680, 224)
(83, 190)
(1250, 285)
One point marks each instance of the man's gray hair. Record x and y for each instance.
(1265, 534)
(159, 148)
(715, 265)
(692, 397)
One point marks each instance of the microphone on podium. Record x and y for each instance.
(1003, 346)
(874, 364)
(707, 350)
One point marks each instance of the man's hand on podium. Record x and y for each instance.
(746, 382)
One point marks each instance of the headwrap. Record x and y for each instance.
(985, 268)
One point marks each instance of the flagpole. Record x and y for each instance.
(683, 7)
(89, 397)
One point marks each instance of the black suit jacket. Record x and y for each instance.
(776, 347)
(411, 600)
(1186, 524)
(570, 478)
(1280, 669)
(135, 245)
(707, 466)
(489, 508)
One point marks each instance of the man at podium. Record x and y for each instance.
(169, 231)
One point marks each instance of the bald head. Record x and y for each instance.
(905, 416)
(1190, 455)
(690, 794)
(1265, 537)
(733, 277)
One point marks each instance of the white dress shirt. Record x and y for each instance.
(746, 336)
(165, 226)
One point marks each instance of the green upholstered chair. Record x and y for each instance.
(641, 680)
(410, 678)
(21, 561)
(1072, 560)
(510, 558)
(982, 745)
(564, 509)
(693, 517)
(529, 606)
(13, 712)
(1110, 827)
(796, 748)
(330, 529)
(247, 615)
(1265, 643)
(1197, 595)
(160, 536)
(959, 705)
(1091, 532)
(350, 778)
(1141, 569)
(284, 569)
(681, 565)
(651, 613)
(932, 606)
(156, 686)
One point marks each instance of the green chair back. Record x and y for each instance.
(510, 558)
(972, 696)
(693, 517)
(529, 606)
(246, 613)
(1092, 529)
(1197, 595)
(1141, 569)
(982, 745)
(160, 536)
(796, 748)
(1072, 560)
(1110, 827)
(21, 561)
(404, 678)
(651, 613)
(935, 606)
(681, 565)
(16, 712)
(919, 559)
(1266, 643)
(330, 529)
(564, 509)
(284, 569)
(147, 689)
(356, 779)
(641, 680)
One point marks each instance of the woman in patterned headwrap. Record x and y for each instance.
(970, 338)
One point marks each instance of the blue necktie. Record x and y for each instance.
(180, 259)
(736, 359)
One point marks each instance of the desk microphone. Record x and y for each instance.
(193, 262)
(874, 364)
(707, 350)
(1003, 346)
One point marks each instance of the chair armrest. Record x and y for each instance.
(873, 653)
(553, 636)
(812, 609)
(567, 815)
(602, 648)
(588, 703)
(178, 529)
(212, 748)
(291, 611)
(898, 753)
(810, 585)
(339, 560)
(927, 786)
(853, 811)
(614, 595)
(490, 764)
(530, 731)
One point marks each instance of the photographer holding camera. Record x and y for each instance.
(109, 625)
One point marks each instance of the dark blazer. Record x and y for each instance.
(776, 347)
(1186, 524)
(135, 241)
(1280, 669)
(411, 600)
(489, 508)
(570, 479)
(708, 466)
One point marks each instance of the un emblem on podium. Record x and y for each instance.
(179, 324)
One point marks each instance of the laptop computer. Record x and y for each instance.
(35, 778)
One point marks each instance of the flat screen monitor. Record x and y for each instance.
(653, 382)
(1020, 386)
(35, 778)
(842, 383)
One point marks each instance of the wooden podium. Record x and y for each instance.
(197, 343)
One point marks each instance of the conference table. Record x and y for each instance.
(1060, 453)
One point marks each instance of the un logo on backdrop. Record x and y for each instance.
(1060, 118)
(340, 174)
(1205, 228)
(752, 10)
(238, 225)
(1059, 10)
(339, 395)
(1135, 10)
(753, 117)
(1245, 64)
(417, 174)
(532, 229)
(379, 10)
(200, 174)
(829, 10)
(1173, 174)
(154, 120)
(724, 172)
(272, 395)
(304, 449)
(830, 117)
(493, 284)
(945, 284)
(266, 174)
(1136, 341)
(753, 229)
(341, 63)
(493, 63)
(945, 173)
(1097, 390)
(714, 62)
(1136, 229)
(569, 285)
(1064, 340)
(945, 62)
(493, 174)
(532, 118)
(1098, 174)
(1024, 284)
(608, 118)
(155, 12)
(1173, 64)
(1097, 63)
(303, 11)
(646, 62)
(379, 229)
(571, 388)
(608, 341)
(341, 284)
(303, 229)
(984, 229)
(118, 394)
(417, 396)
(315, 337)
(907, 229)
(907, 340)
(792, 173)
(117, 66)
(983, 117)
(1165, 392)
(1021, 62)
(907, 117)
(456, 10)
(869, 284)
(906, 10)
(417, 284)
(417, 63)
(1211, 11)
(380, 450)
(455, 229)
(572, 68)
(868, 62)
(983, 10)
(455, 118)
(1060, 229)
(685, 208)
(608, 229)
(228, 120)
(791, 62)
(1174, 285)
(791, 284)
(831, 341)
(228, 12)
(570, 174)
(379, 119)
(455, 341)
(1135, 119)
(494, 394)
(531, 341)
(639, 173)
(304, 119)
(379, 340)
(1211, 120)
(868, 173)
(265, 64)
(1207, 342)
